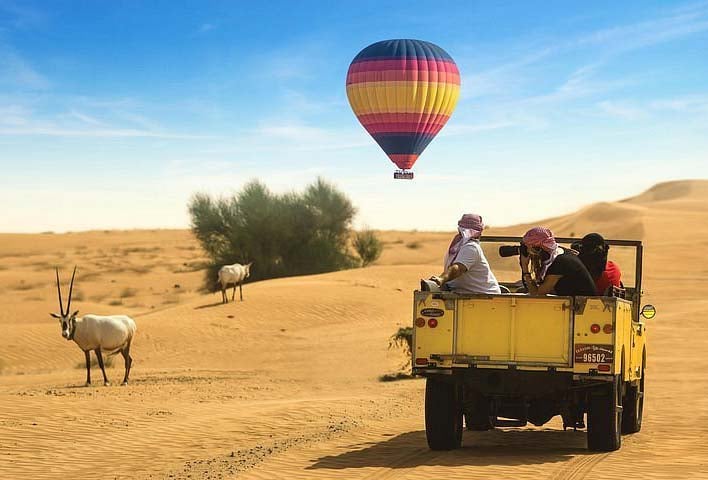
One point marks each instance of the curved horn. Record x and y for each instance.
(61, 306)
(68, 304)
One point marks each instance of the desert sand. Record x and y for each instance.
(286, 383)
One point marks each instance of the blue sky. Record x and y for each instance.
(112, 114)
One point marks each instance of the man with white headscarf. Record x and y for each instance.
(466, 269)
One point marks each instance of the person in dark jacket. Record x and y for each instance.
(593, 253)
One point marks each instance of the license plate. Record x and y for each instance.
(593, 353)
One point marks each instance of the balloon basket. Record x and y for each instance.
(402, 175)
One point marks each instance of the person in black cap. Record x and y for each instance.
(593, 253)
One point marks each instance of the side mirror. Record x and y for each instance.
(648, 311)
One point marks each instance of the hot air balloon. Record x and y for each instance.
(403, 92)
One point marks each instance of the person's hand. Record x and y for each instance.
(524, 262)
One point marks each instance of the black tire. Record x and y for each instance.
(605, 418)
(443, 414)
(634, 405)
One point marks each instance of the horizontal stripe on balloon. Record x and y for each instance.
(403, 161)
(403, 75)
(416, 128)
(421, 118)
(403, 143)
(420, 64)
(403, 97)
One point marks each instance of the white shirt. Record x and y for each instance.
(479, 277)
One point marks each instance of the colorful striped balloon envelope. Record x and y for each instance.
(403, 92)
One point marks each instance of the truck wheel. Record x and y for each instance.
(633, 406)
(443, 414)
(605, 418)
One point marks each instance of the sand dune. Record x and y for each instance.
(285, 384)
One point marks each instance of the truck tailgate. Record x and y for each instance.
(499, 330)
(511, 329)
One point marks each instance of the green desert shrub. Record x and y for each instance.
(297, 233)
(367, 246)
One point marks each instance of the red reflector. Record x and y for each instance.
(607, 328)
(603, 368)
(419, 322)
(594, 328)
(421, 361)
(433, 322)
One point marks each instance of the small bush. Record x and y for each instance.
(98, 298)
(403, 338)
(392, 377)
(23, 286)
(367, 246)
(115, 303)
(128, 292)
(413, 245)
(140, 269)
(127, 251)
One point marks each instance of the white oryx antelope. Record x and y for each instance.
(107, 334)
(233, 275)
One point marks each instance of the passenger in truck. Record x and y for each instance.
(465, 268)
(593, 253)
(547, 268)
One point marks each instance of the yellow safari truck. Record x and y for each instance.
(511, 359)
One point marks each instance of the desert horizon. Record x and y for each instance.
(247, 389)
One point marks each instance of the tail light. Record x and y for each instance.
(421, 361)
(603, 368)
(433, 322)
(607, 328)
(419, 322)
(595, 328)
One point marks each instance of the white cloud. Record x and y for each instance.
(82, 117)
(59, 131)
(14, 115)
(622, 110)
(508, 77)
(684, 104)
(625, 38)
(16, 72)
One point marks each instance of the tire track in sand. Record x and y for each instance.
(579, 467)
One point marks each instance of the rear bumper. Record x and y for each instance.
(512, 382)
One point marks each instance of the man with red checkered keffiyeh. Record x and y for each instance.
(466, 269)
(547, 268)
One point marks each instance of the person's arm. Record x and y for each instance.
(546, 287)
(467, 257)
(452, 272)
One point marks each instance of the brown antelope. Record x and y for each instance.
(104, 334)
